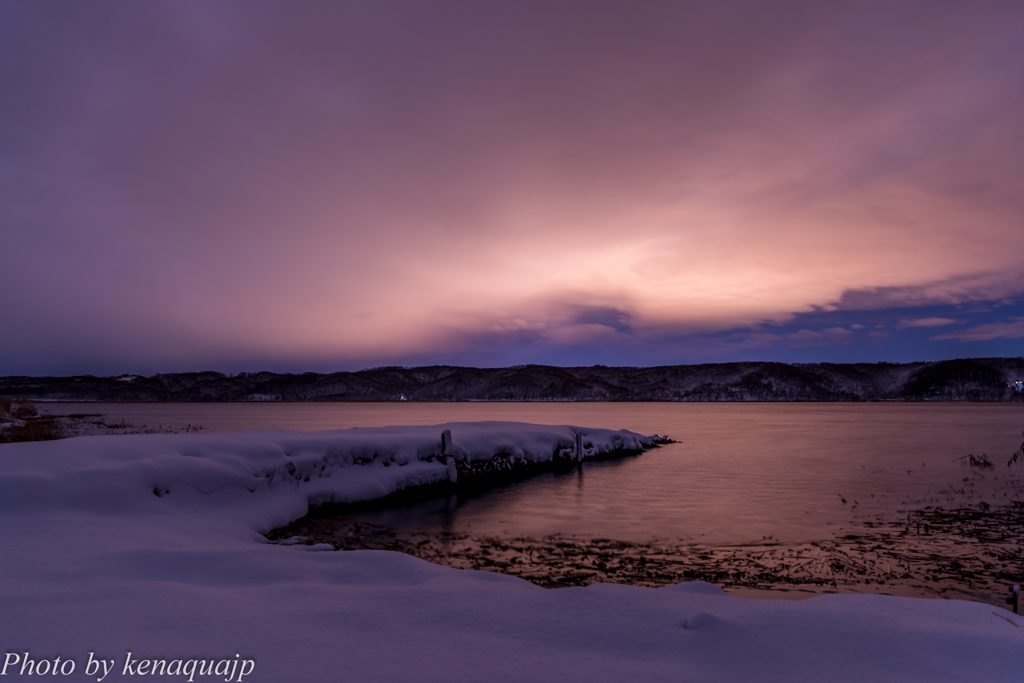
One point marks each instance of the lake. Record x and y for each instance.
(740, 472)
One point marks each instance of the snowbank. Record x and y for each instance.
(152, 545)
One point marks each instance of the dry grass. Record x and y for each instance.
(24, 409)
(46, 428)
(25, 423)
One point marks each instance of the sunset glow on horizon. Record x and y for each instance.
(255, 185)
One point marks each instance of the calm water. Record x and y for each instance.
(740, 471)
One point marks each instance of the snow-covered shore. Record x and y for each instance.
(153, 545)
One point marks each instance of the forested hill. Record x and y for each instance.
(980, 379)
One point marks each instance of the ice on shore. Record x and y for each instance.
(153, 545)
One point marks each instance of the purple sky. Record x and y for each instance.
(323, 185)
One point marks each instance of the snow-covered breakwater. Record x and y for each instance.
(339, 466)
(149, 548)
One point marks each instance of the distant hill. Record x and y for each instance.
(971, 379)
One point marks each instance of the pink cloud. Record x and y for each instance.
(926, 322)
(831, 335)
(1007, 330)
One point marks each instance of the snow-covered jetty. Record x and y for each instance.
(130, 557)
(338, 466)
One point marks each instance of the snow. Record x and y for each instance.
(152, 545)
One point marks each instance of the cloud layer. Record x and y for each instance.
(191, 185)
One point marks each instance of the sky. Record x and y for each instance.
(322, 186)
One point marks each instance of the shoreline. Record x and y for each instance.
(948, 561)
(152, 544)
(929, 565)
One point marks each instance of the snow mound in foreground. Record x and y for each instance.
(151, 545)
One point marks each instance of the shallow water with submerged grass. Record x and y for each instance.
(953, 553)
(805, 497)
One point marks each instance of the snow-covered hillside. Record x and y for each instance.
(970, 379)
